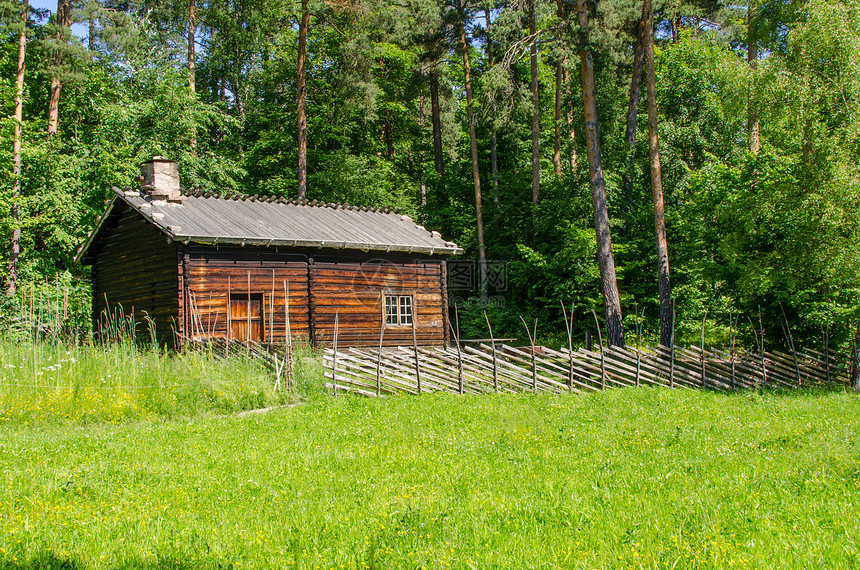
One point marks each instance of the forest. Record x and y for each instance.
(676, 163)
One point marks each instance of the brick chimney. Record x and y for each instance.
(160, 180)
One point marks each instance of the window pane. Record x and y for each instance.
(405, 310)
(390, 310)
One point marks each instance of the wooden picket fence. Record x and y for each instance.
(504, 368)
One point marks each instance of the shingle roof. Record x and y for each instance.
(213, 218)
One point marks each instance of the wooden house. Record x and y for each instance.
(244, 267)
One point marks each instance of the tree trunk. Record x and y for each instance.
(482, 253)
(608, 282)
(664, 285)
(387, 135)
(192, 86)
(753, 126)
(494, 154)
(494, 167)
(436, 119)
(676, 26)
(535, 107)
(556, 149)
(422, 186)
(301, 106)
(15, 249)
(560, 82)
(571, 129)
(632, 112)
(91, 30)
(63, 19)
(807, 114)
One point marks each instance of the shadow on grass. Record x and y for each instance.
(52, 562)
(43, 562)
(817, 391)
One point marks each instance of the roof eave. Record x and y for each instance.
(82, 251)
(221, 240)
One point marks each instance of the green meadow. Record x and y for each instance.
(632, 478)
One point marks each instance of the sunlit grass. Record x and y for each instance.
(78, 383)
(630, 478)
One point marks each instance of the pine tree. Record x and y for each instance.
(62, 23)
(664, 285)
(533, 69)
(192, 64)
(473, 144)
(753, 126)
(301, 103)
(632, 112)
(15, 247)
(606, 261)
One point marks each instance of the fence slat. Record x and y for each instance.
(485, 369)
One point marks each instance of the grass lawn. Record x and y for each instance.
(629, 478)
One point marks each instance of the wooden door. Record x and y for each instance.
(246, 317)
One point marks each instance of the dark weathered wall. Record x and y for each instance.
(210, 274)
(354, 289)
(135, 271)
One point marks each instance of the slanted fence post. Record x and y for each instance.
(732, 324)
(568, 323)
(334, 353)
(415, 349)
(826, 332)
(248, 310)
(459, 350)
(639, 319)
(791, 345)
(855, 368)
(761, 334)
(379, 354)
(493, 345)
(288, 334)
(602, 356)
(672, 349)
(534, 364)
(270, 337)
(702, 354)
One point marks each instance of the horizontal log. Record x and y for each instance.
(373, 269)
(257, 273)
(251, 261)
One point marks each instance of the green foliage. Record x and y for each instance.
(776, 231)
(369, 181)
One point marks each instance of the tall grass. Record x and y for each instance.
(52, 369)
(46, 382)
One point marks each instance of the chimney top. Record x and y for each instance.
(160, 179)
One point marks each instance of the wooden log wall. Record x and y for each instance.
(135, 273)
(211, 274)
(186, 289)
(370, 372)
(355, 291)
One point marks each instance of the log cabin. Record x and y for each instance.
(202, 264)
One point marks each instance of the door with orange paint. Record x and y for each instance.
(246, 317)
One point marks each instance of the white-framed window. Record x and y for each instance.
(398, 310)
